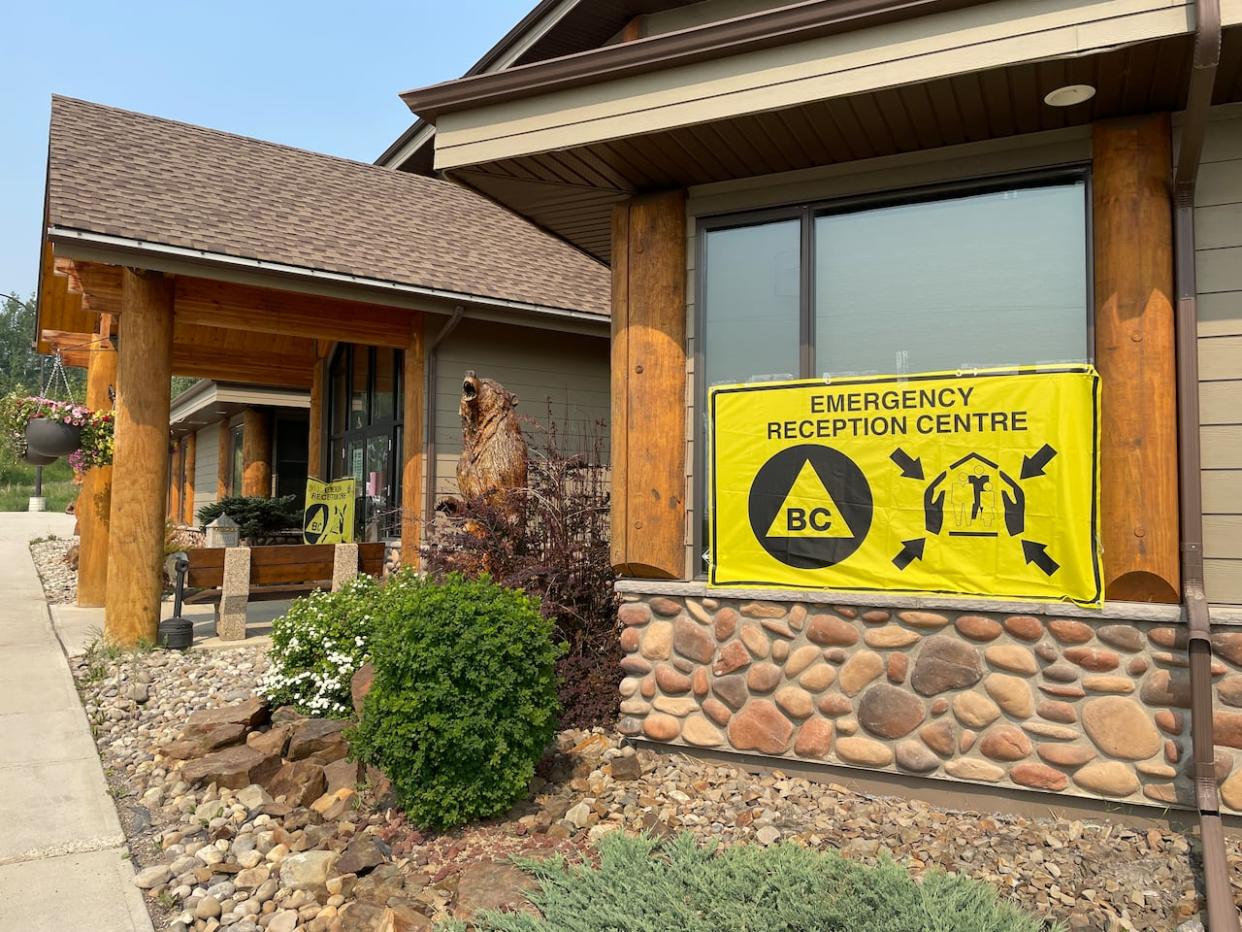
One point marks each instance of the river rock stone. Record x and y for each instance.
(801, 658)
(898, 667)
(763, 610)
(927, 620)
(697, 730)
(764, 677)
(830, 631)
(680, 706)
(1025, 627)
(235, 768)
(716, 710)
(1230, 690)
(1049, 730)
(940, 736)
(859, 670)
(635, 665)
(319, 739)
(970, 768)
(1054, 711)
(1066, 755)
(814, 739)
(1120, 727)
(890, 637)
(1231, 791)
(835, 705)
(945, 663)
(864, 751)
(1123, 637)
(890, 712)
(1011, 693)
(1169, 722)
(661, 727)
(1227, 728)
(699, 681)
(662, 605)
(1005, 743)
(671, 680)
(1229, 646)
(795, 701)
(634, 614)
(693, 641)
(733, 656)
(1061, 673)
(1108, 778)
(1166, 687)
(1070, 632)
(760, 726)
(725, 623)
(1038, 776)
(1095, 659)
(657, 643)
(978, 627)
(818, 678)
(731, 690)
(1103, 683)
(913, 756)
(1012, 657)
(755, 640)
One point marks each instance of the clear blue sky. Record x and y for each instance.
(319, 75)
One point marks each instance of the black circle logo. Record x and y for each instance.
(315, 523)
(810, 506)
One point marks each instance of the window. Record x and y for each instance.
(990, 274)
(364, 434)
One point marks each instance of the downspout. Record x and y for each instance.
(429, 404)
(1221, 913)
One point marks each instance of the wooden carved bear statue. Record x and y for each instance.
(494, 455)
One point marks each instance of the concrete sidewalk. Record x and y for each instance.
(62, 854)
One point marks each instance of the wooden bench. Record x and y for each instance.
(229, 578)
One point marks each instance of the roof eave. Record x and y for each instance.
(782, 26)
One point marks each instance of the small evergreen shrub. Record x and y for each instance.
(257, 517)
(642, 885)
(464, 697)
(318, 645)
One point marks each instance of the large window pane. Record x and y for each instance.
(385, 385)
(751, 300)
(966, 282)
(360, 392)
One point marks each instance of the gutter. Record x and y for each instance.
(782, 26)
(1221, 913)
(429, 408)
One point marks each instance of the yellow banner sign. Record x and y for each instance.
(329, 515)
(980, 483)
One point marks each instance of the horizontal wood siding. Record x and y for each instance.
(1218, 235)
(206, 458)
(562, 376)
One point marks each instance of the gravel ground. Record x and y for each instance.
(1089, 875)
(60, 580)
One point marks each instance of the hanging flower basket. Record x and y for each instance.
(46, 436)
(36, 459)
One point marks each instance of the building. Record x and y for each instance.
(831, 189)
(357, 293)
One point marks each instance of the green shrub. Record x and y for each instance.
(464, 698)
(256, 516)
(318, 645)
(645, 886)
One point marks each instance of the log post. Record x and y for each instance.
(189, 447)
(314, 440)
(224, 461)
(413, 451)
(95, 499)
(174, 483)
(144, 381)
(1134, 352)
(257, 453)
(649, 386)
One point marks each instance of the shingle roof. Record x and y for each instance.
(141, 177)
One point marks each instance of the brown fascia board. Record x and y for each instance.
(801, 21)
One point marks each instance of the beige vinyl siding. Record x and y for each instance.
(1218, 234)
(989, 35)
(563, 375)
(206, 457)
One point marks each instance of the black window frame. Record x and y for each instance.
(806, 213)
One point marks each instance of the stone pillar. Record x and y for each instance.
(144, 378)
(234, 594)
(95, 499)
(257, 454)
(344, 564)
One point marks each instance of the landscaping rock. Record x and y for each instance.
(496, 886)
(363, 854)
(251, 713)
(205, 740)
(360, 685)
(308, 870)
(233, 768)
(298, 783)
(320, 740)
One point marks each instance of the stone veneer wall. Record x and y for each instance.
(1064, 705)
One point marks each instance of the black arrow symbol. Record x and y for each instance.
(1033, 466)
(911, 550)
(1038, 554)
(911, 467)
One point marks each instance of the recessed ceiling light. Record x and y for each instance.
(1069, 95)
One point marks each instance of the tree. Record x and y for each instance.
(21, 368)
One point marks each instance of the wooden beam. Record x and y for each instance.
(1134, 351)
(255, 369)
(59, 309)
(94, 510)
(99, 285)
(649, 386)
(189, 455)
(266, 310)
(257, 453)
(135, 576)
(413, 449)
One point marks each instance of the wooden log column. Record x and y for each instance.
(140, 460)
(188, 462)
(224, 461)
(413, 450)
(256, 453)
(94, 511)
(314, 439)
(174, 483)
(1134, 351)
(649, 386)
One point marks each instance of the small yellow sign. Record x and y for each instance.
(978, 483)
(329, 515)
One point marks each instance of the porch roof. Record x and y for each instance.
(131, 178)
